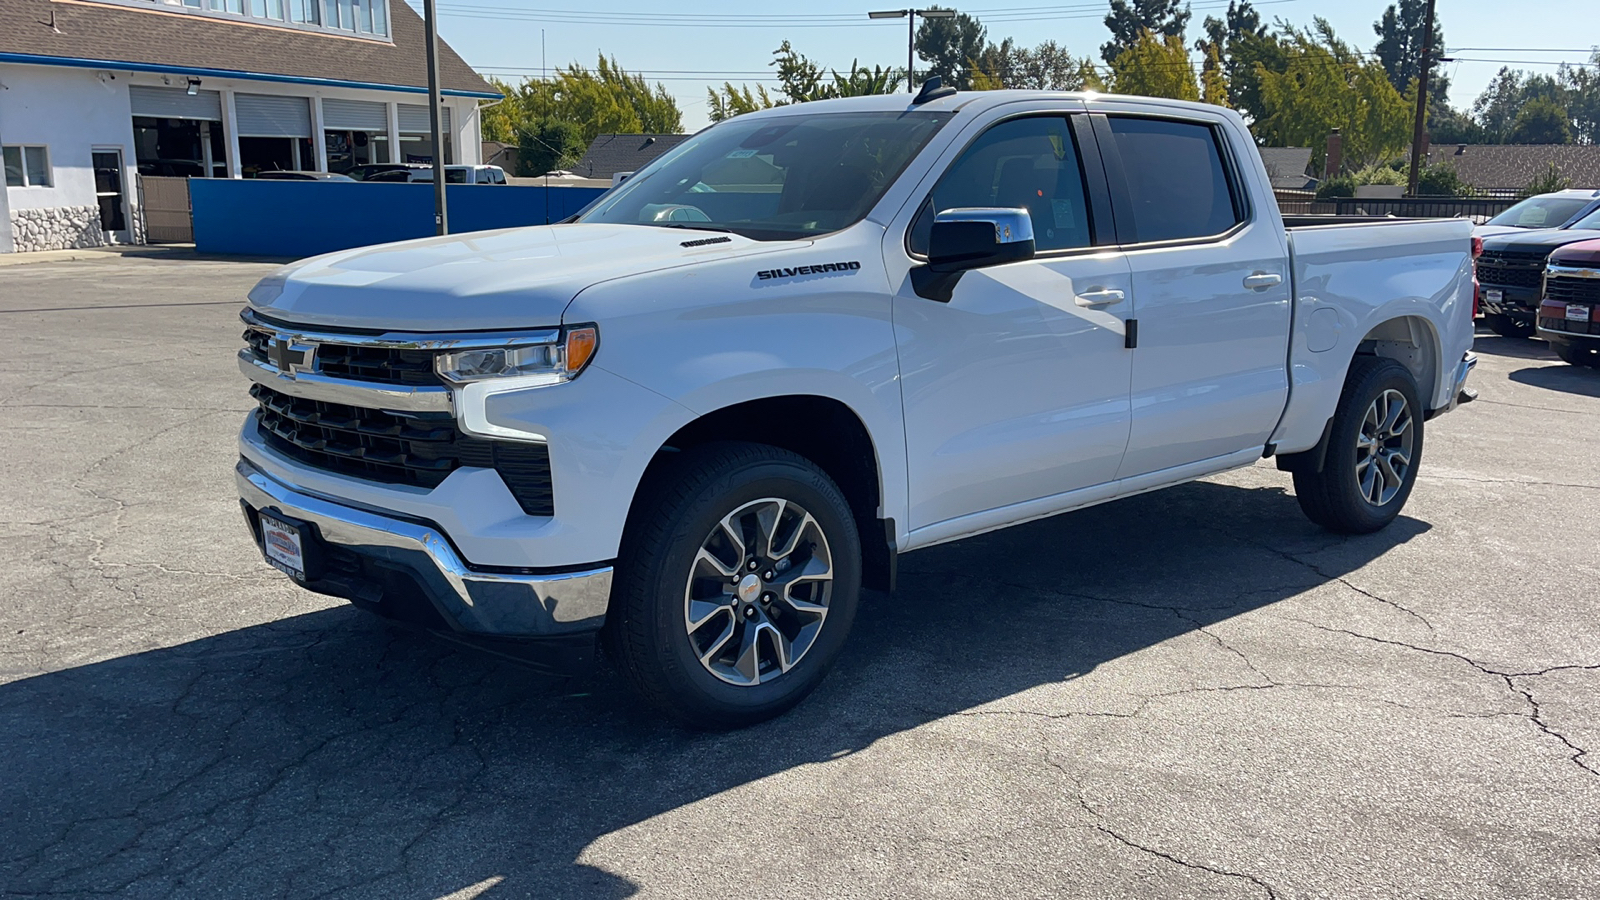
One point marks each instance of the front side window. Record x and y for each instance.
(1029, 164)
(774, 178)
(26, 166)
(1177, 183)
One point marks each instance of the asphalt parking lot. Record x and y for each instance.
(1193, 693)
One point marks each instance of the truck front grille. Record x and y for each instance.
(375, 365)
(419, 449)
(1572, 289)
(1499, 270)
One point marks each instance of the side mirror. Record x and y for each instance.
(971, 238)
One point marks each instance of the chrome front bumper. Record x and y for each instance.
(472, 601)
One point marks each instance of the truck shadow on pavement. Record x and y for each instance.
(329, 753)
(1491, 344)
(1580, 380)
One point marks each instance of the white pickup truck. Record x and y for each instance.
(692, 422)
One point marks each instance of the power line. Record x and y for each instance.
(998, 15)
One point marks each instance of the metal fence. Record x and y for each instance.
(164, 203)
(1305, 203)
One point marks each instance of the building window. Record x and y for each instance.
(26, 166)
(364, 17)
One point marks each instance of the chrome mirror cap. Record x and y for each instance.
(1011, 226)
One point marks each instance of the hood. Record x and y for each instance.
(484, 281)
(1583, 253)
(1542, 241)
(1485, 231)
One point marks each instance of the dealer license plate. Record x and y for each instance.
(282, 544)
(1577, 313)
(1493, 296)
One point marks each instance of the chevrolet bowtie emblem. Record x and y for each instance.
(289, 357)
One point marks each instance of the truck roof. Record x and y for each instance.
(966, 101)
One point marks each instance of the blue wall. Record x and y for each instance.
(304, 218)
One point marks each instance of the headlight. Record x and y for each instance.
(540, 363)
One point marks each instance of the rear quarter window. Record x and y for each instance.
(1178, 185)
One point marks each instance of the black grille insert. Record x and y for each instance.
(1495, 270)
(398, 448)
(1572, 289)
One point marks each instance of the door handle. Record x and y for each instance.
(1257, 281)
(1098, 297)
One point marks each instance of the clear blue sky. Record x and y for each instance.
(733, 41)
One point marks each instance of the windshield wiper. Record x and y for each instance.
(691, 226)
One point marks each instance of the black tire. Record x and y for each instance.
(647, 629)
(1505, 326)
(1577, 353)
(1334, 497)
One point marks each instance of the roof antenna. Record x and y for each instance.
(53, 27)
(932, 90)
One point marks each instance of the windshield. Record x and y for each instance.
(1592, 220)
(1541, 212)
(773, 179)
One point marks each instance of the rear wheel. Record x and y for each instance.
(1505, 326)
(737, 584)
(1374, 448)
(1577, 353)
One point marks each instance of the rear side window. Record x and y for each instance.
(1176, 179)
(1030, 164)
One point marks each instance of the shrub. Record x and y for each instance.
(1379, 175)
(1442, 180)
(1551, 181)
(1341, 186)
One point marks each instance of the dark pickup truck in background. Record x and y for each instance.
(1569, 314)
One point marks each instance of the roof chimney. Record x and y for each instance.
(1461, 149)
(1335, 160)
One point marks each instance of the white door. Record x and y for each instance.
(1210, 372)
(1017, 388)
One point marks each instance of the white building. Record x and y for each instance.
(93, 92)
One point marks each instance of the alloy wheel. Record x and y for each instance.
(1384, 448)
(758, 591)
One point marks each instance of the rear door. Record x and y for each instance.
(1017, 389)
(1211, 279)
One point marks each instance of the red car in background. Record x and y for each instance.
(1569, 311)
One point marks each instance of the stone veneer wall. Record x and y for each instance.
(57, 228)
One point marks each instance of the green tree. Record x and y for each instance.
(1128, 20)
(605, 100)
(1401, 33)
(1213, 80)
(1242, 43)
(732, 101)
(1155, 66)
(547, 145)
(499, 122)
(1326, 84)
(1541, 121)
(948, 47)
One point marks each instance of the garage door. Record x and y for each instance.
(414, 119)
(356, 115)
(259, 115)
(175, 103)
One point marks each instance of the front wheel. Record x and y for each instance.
(737, 584)
(1505, 326)
(1374, 448)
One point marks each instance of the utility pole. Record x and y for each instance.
(430, 18)
(910, 15)
(1419, 129)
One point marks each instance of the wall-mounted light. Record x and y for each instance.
(105, 77)
(194, 87)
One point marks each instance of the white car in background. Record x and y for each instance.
(1553, 210)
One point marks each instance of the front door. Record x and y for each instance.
(111, 195)
(1017, 389)
(1210, 372)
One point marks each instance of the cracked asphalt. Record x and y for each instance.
(1192, 693)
